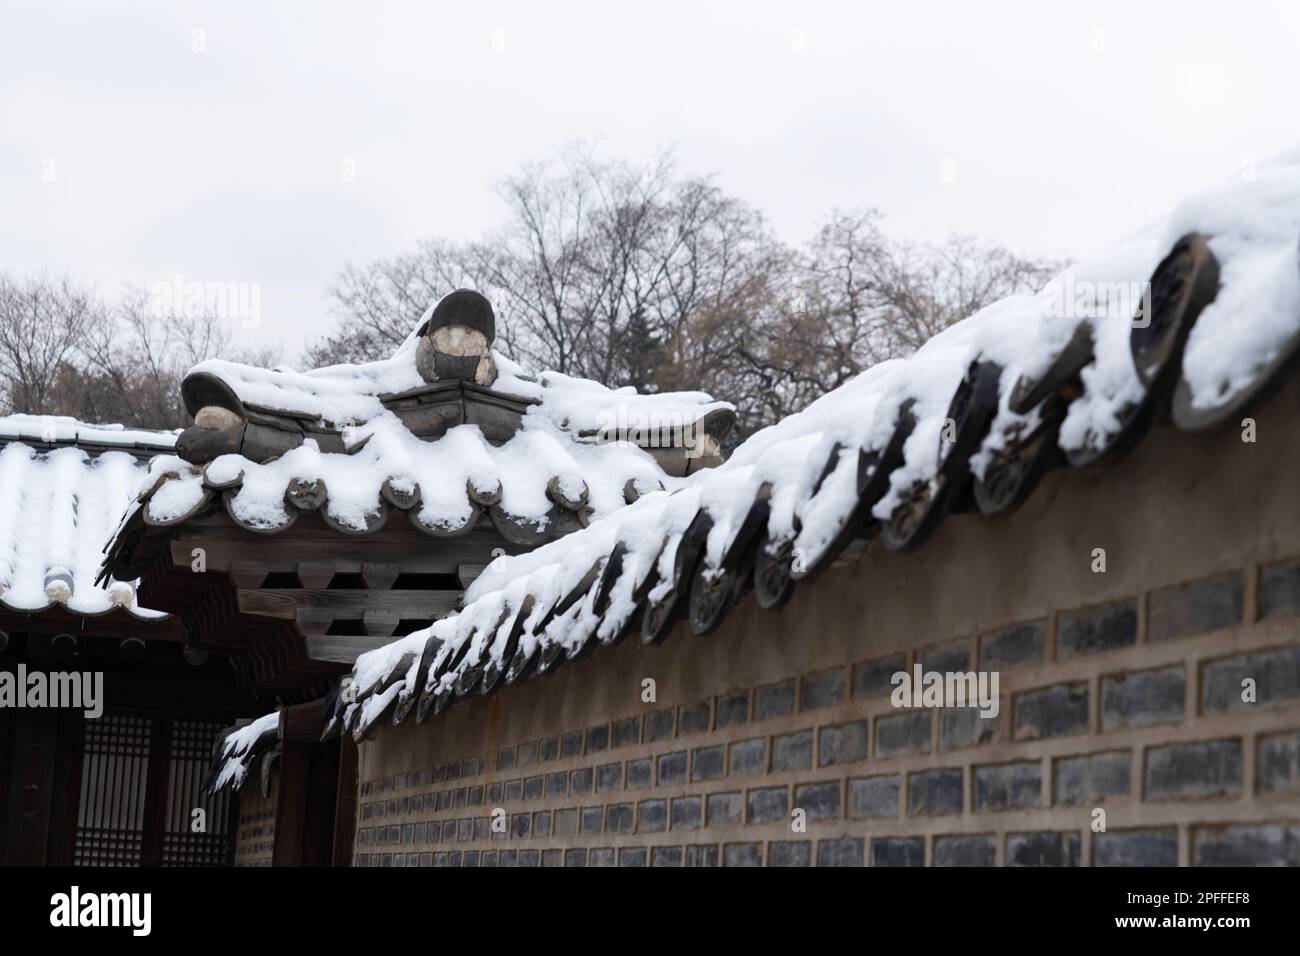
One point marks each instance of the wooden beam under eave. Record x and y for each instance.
(283, 603)
(343, 648)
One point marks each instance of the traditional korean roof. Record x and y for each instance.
(1190, 319)
(446, 430)
(64, 486)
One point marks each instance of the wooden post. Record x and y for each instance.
(345, 802)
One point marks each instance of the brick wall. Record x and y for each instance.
(774, 742)
(255, 837)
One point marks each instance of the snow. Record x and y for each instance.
(1254, 228)
(565, 436)
(57, 510)
(50, 429)
(233, 760)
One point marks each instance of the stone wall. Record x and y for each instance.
(775, 741)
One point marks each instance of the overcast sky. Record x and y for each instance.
(272, 142)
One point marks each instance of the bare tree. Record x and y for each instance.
(634, 274)
(66, 352)
(42, 323)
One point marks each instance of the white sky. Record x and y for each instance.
(1066, 125)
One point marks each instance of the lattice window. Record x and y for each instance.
(114, 773)
(191, 750)
(118, 823)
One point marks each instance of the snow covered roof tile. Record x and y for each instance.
(1196, 314)
(440, 431)
(64, 486)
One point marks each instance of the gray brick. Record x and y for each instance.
(1016, 646)
(640, 773)
(1136, 848)
(660, 725)
(825, 689)
(609, 777)
(1094, 630)
(961, 727)
(634, 856)
(672, 768)
(1193, 771)
(733, 709)
(789, 853)
(571, 743)
(687, 813)
(665, 856)
(1195, 608)
(600, 856)
(934, 793)
(951, 656)
(898, 851)
(1058, 711)
(725, 809)
(1009, 786)
(769, 804)
(964, 851)
(1142, 698)
(1279, 763)
(774, 700)
(749, 756)
(1091, 778)
(843, 743)
(652, 816)
(743, 854)
(620, 818)
(1265, 844)
(1276, 675)
(792, 751)
(1047, 848)
(845, 851)
(820, 801)
(702, 854)
(580, 780)
(566, 821)
(872, 678)
(1279, 589)
(557, 784)
(592, 820)
(708, 763)
(871, 797)
(694, 718)
(626, 732)
(903, 734)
